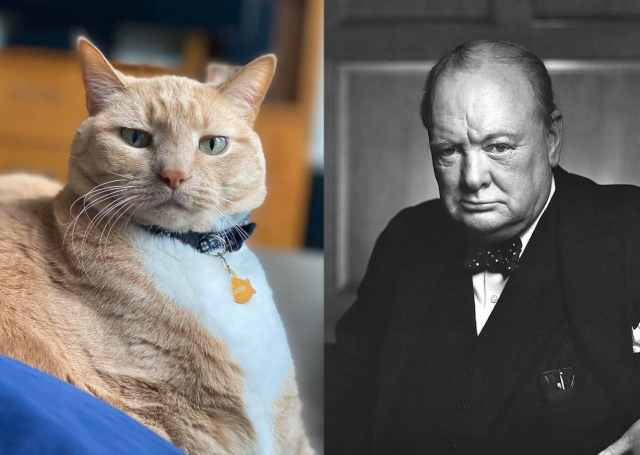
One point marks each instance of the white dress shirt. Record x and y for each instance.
(488, 286)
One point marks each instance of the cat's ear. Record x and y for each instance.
(101, 80)
(249, 86)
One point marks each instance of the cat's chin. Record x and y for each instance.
(176, 219)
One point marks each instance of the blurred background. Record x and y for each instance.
(42, 103)
(377, 57)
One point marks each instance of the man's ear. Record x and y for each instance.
(100, 79)
(249, 86)
(554, 138)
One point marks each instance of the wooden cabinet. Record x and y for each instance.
(41, 105)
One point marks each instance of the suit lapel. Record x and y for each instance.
(428, 259)
(594, 275)
(518, 317)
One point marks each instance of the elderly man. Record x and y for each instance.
(499, 318)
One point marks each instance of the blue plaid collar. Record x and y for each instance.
(206, 242)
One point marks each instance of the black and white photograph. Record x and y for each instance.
(482, 271)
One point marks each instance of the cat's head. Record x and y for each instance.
(170, 151)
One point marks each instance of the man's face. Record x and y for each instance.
(491, 154)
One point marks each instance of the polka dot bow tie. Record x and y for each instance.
(501, 258)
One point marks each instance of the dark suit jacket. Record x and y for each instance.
(599, 238)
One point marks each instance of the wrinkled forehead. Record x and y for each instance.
(173, 103)
(490, 95)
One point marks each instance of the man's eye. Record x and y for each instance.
(500, 148)
(445, 152)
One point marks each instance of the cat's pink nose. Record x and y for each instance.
(174, 179)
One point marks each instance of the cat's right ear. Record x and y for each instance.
(100, 79)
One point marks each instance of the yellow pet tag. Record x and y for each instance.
(241, 290)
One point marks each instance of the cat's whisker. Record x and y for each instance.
(240, 206)
(241, 232)
(89, 192)
(219, 223)
(124, 225)
(86, 207)
(125, 176)
(236, 227)
(115, 205)
(97, 190)
(233, 223)
(102, 214)
(230, 188)
(102, 192)
(94, 222)
(129, 206)
(140, 205)
(100, 251)
(89, 203)
(126, 207)
(111, 189)
(89, 226)
(111, 218)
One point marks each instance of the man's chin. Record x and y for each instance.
(487, 228)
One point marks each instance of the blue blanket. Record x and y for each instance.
(42, 415)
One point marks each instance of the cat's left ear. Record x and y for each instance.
(249, 86)
(100, 79)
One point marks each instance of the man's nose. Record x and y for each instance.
(174, 178)
(475, 171)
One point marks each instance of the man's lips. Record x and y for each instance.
(477, 206)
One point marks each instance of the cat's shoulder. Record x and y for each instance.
(26, 186)
(20, 217)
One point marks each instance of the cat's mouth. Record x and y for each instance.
(171, 204)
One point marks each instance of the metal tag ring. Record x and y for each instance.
(224, 245)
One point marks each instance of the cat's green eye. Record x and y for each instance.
(135, 138)
(213, 145)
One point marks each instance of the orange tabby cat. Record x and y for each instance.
(18, 186)
(132, 314)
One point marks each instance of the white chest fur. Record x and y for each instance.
(253, 332)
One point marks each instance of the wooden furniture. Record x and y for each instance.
(285, 129)
(42, 103)
(377, 57)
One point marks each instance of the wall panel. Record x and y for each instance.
(595, 9)
(600, 104)
(386, 164)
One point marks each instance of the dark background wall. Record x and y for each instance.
(377, 56)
